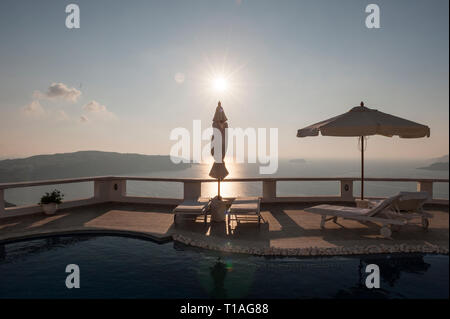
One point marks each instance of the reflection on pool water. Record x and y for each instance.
(123, 267)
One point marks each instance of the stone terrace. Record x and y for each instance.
(286, 230)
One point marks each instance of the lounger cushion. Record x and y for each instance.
(408, 201)
(382, 205)
(333, 210)
(245, 205)
(414, 196)
(343, 211)
(192, 205)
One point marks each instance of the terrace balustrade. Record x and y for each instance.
(114, 189)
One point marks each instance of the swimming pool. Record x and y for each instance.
(124, 267)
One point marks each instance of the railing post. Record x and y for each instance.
(347, 190)
(110, 190)
(118, 190)
(2, 201)
(101, 192)
(269, 190)
(425, 187)
(192, 190)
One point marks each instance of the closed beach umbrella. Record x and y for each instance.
(362, 121)
(218, 170)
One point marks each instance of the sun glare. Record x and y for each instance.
(220, 81)
(220, 84)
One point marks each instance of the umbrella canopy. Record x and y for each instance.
(218, 170)
(362, 121)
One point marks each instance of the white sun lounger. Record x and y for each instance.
(409, 205)
(192, 207)
(246, 206)
(383, 213)
(408, 201)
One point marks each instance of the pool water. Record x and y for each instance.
(124, 267)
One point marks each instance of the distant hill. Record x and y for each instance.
(436, 164)
(82, 164)
(440, 166)
(442, 159)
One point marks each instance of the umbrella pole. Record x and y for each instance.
(218, 188)
(362, 167)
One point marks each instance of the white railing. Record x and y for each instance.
(114, 189)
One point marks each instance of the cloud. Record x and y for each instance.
(180, 77)
(33, 109)
(59, 90)
(60, 115)
(92, 111)
(36, 110)
(94, 106)
(97, 111)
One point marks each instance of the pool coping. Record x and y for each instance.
(93, 232)
(314, 250)
(239, 249)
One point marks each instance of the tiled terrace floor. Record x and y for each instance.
(284, 226)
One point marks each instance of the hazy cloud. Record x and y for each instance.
(94, 106)
(36, 110)
(98, 111)
(61, 116)
(59, 90)
(92, 111)
(180, 77)
(33, 109)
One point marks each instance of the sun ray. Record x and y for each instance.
(221, 80)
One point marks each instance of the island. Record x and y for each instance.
(439, 166)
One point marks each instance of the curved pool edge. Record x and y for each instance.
(312, 251)
(93, 232)
(233, 248)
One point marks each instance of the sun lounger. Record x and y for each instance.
(408, 201)
(410, 206)
(246, 206)
(192, 207)
(383, 213)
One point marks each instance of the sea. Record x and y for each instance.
(286, 168)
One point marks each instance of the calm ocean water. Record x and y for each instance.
(312, 168)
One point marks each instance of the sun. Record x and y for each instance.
(222, 81)
(220, 84)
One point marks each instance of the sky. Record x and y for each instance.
(136, 70)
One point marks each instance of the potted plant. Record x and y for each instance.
(50, 201)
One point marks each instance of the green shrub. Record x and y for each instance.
(54, 197)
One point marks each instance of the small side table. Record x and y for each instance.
(218, 209)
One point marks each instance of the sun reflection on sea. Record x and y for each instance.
(231, 189)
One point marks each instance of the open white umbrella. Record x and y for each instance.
(362, 121)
